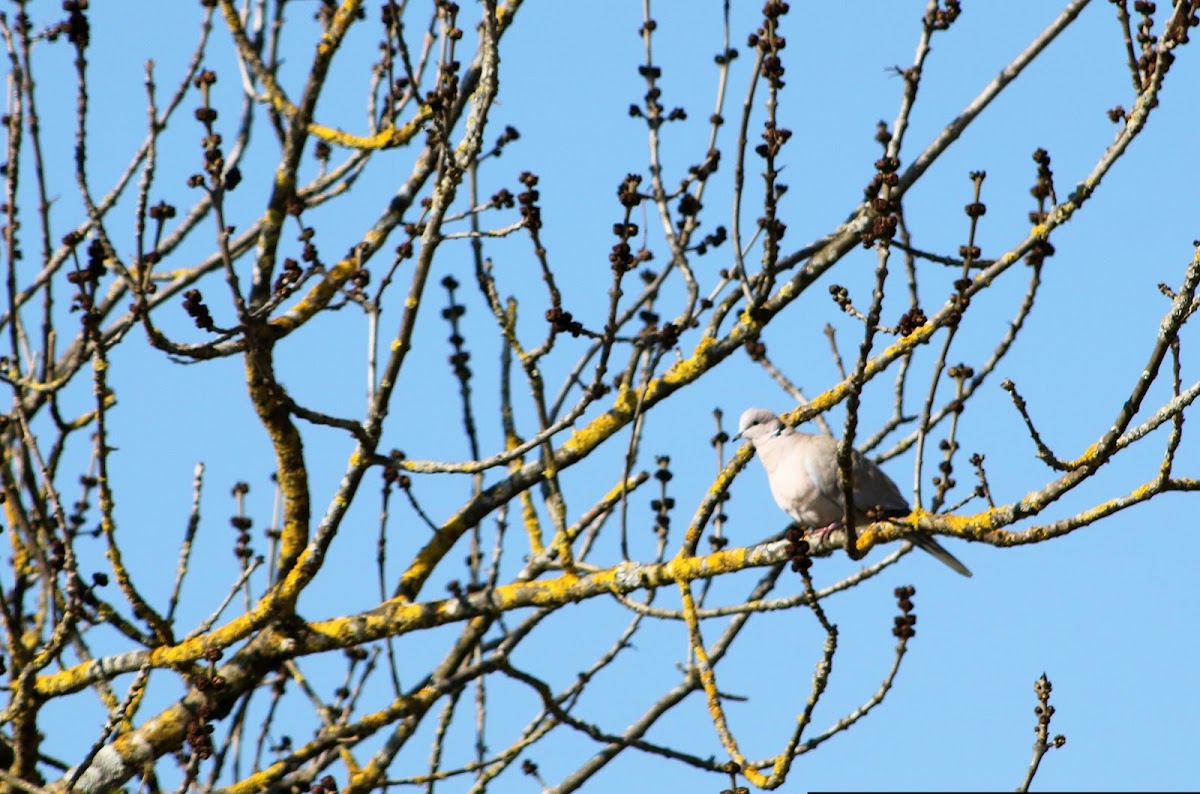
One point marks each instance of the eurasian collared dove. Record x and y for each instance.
(802, 472)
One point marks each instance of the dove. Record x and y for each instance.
(802, 471)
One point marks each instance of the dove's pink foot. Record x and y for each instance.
(823, 532)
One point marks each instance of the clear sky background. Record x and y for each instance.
(1107, 613)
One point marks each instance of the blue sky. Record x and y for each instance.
(1106, 613)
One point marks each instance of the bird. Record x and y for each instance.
(802, 471)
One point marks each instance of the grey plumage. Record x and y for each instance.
(802, 472)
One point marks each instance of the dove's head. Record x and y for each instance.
(758, 425)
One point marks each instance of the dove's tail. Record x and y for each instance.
(927, 543)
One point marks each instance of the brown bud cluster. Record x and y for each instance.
(193, 304)
(940, 18)
(840, 295)
(1043, 188)
(621, 258)
(664, 504)
(77, 27)
(199, 737)
(961, 372)
(774, 228)
(773, 140)
(712, 161)
(561, 321)
(910, 321)
(904, 624)
(309, 252)
(502, 199)
(87, 280)
(883, 136)
(289, 276)
(689, 205)
(530, 212)
(652, 335)
(768, 41)
(884, 221)
(326, 785)
(1038, 252)
(506, 137)
(797, 550)
(719, 236)
(162, 211)
(627, 191)
(453, 312)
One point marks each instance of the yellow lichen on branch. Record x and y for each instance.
(385, 138)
